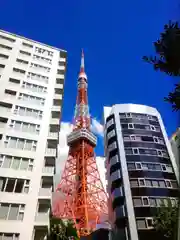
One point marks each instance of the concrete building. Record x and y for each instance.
(31, 92)
(175, 144)
(141, 169)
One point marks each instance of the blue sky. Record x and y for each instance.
(114, 36)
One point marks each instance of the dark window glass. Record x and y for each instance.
(174, 184)
(19, 185)
(124, 126)
(145, 201)
(141, 182)
(147, 138)
(10, 185)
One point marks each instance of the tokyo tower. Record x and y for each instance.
(80, 196)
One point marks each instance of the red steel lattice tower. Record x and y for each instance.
(81, 193)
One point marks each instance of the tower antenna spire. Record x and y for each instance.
(82, 197)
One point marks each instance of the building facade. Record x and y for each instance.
(141, 169)
(175, 144)
(31, 93)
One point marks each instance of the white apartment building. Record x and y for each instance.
(31, 92)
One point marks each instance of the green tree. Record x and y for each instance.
(62, 230)
(166, 222)
(167, 59)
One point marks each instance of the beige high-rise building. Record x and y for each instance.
(31, 92)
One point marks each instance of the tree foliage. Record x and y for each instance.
(167, 58)
(166, 221)
(62, 230)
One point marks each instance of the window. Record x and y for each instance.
(20, 143)
(11, 211)
(168, 184)
(126, 138)
(40, 67)
(141, 182)
(135, 151)
(156, 140)
(7, 38)
(21, 61)
(34, 87)
(16, 163)
(27, 45)
(5, 47)
(137, 201)
(28, 112)
(145, 201)
(42, 59)
(130, 126)
(155, 183)
(9, 236)
(37, 77)
(14, 185)
(10, 92)
(152, 202)
(149, 222)
(148, 183)
(131, 166)
(128, 115)
(25, 53)
(17, 70)
(128, 151)
(138, 165)
(147, 138)
(3, 56)
(162, 184)
(31, 99)
(133, 138)
(152, 128)
(147, 151)
(174, 184)
(13, 80)
(25, 127)
(134, 183)
(141, 223)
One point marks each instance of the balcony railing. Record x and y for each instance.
(5, 109)
(51, 151)
(57, 96)
(59, 85)
(53, 135)
(54, 121)
(45, 192)
(56, 108)
(48, 170)
(2, 125)
(42, 217)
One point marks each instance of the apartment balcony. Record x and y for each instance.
(3, 61)
(7, 43)
(54, 121)
(53, 135)
(5, 112)
(45, 193)
(56, 108)
(62, 59)
(58, 85)
(42, 219)
(48, 171)
(8, 98)
(50, 152)
(22, 66)
(58, 96)
(2, 127)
